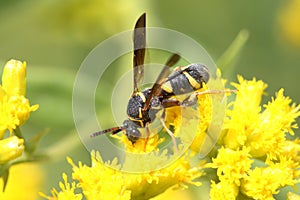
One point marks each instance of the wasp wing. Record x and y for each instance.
(139, 45)
(161, 78)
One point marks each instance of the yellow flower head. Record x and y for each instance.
(232, 165)
(274, 123)
(203, 117)
(14, 78)
(109, 181)
(262, 183)
(15, 110)
(10, 148)
(251, 133)
(14, 106)
(66, 193)
(142, 145)
(223, 190)
(291, 149)
(262, 131)
(244, 113)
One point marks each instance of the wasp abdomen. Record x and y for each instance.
(186, 79)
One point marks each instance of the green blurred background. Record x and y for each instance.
(54, 37)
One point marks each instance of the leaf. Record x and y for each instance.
(32, 143)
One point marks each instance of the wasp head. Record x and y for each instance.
(132, 132)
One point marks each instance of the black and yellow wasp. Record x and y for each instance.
(144, 105)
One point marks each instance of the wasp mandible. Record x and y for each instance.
(144, 105)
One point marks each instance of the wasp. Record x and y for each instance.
(144, 105)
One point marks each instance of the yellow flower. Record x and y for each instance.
(67, 191)
(109, 181)
(10, 148)
(190, 125)
(274, 123)
(244, 113)
(223, 190)
(14, 106)
(23, 183)
(232, 165)
(291, 149)
(262, 183)
(142, 145)
(204, 120)
(253, 158)
(263, 131)
(250, 133)
(14, 78)
(289, 18)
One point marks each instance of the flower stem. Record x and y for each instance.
(18, 132)
(229, 57)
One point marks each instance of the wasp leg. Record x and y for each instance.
(214, 92)
(188, 101)
(169, 132)
(192, 99)
(167, 103)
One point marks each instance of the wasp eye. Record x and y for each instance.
(133, 134)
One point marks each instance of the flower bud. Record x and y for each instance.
(14, 78)
(11, 148)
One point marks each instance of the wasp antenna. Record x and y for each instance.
(113, 130)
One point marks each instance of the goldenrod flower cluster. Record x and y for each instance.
(112, 180)
(109, 181)
(252, 133)
(15, 110)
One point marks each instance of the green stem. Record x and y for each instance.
(18, 132)
(228, 58)
(4, 173)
